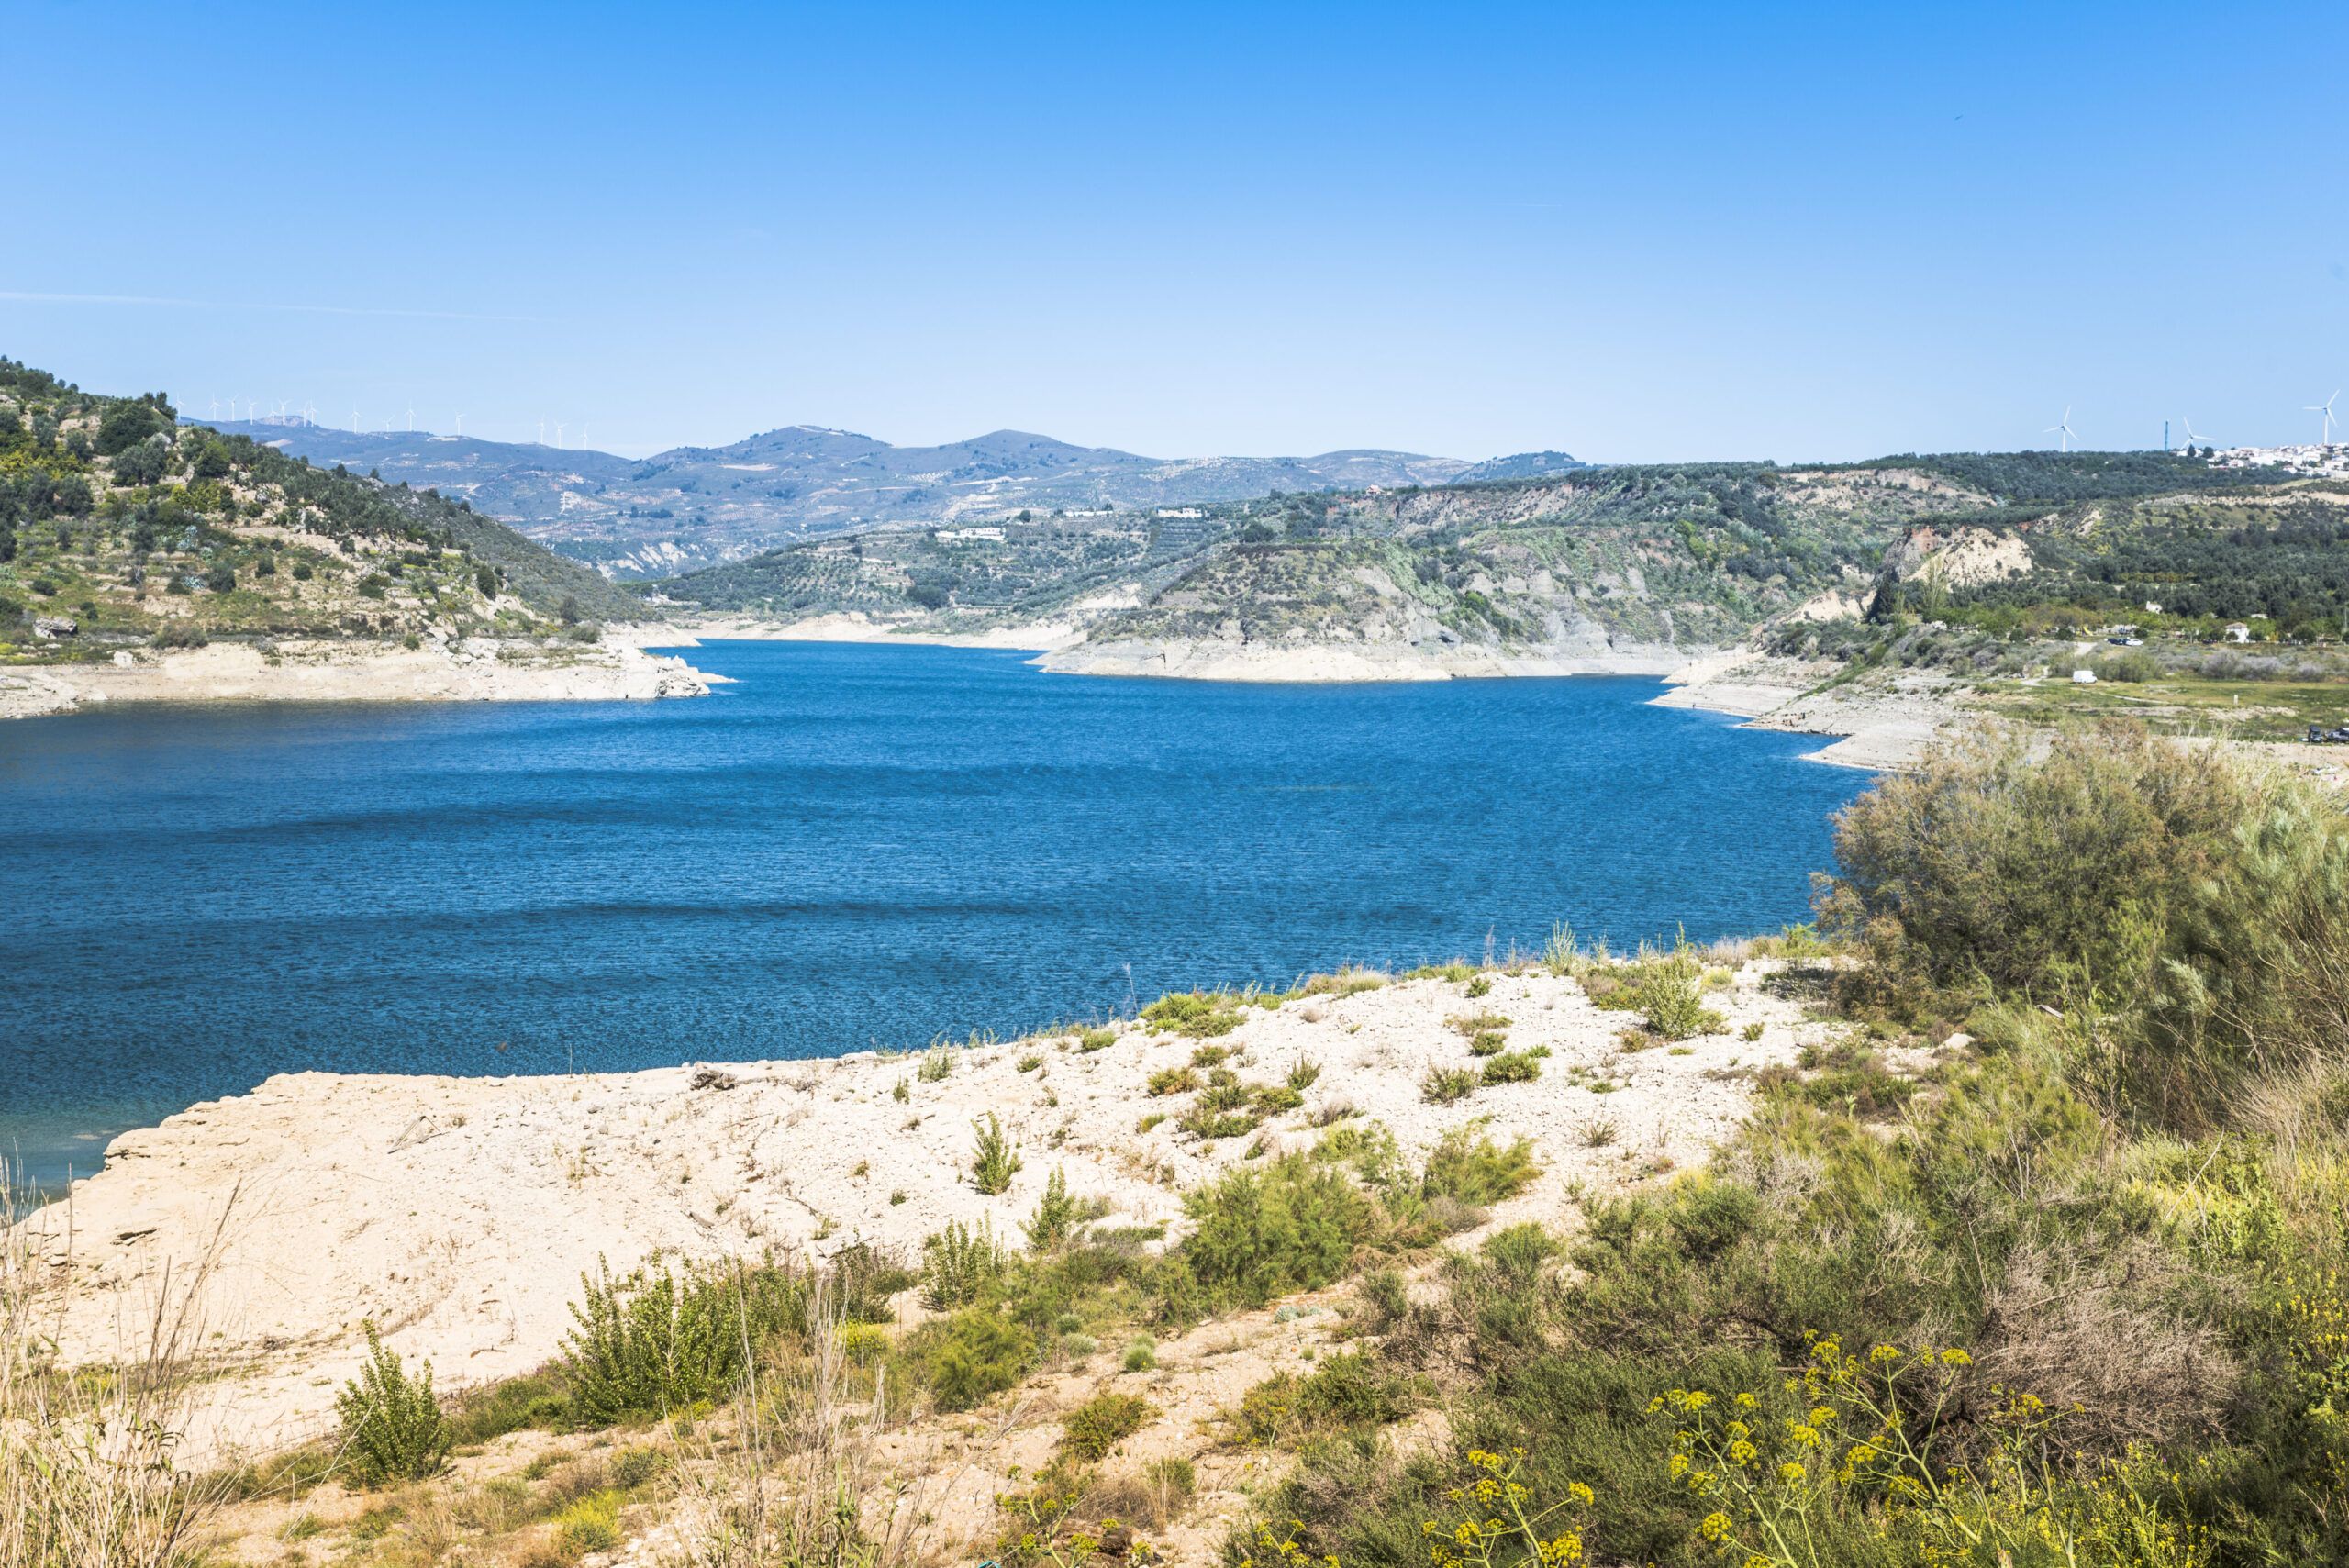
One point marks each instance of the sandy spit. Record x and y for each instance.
(1882, 727)
(460, 1213)
(442, 670)
(855, 626)
(1303, 661)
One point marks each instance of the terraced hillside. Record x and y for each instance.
(119, 529)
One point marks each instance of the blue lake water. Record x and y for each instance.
(854, 845)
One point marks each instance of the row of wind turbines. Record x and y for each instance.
(309, 412)
(2064, 435)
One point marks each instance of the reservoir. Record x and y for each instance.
(850, 847)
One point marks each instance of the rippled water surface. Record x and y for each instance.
(852, 846)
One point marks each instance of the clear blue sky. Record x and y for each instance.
(1638, 232)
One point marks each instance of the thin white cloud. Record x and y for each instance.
(228, 305)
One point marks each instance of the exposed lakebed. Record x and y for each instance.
(854, 845)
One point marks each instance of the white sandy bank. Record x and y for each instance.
(459, 1213)
(467, 669)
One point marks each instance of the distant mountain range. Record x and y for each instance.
(693, 506)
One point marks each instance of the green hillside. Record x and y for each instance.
(115, 518)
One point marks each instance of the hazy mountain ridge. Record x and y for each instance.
(693, 506)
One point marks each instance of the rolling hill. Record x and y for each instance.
(694, 505)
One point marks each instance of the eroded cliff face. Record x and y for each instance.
(1957, 557)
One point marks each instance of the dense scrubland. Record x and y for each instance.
(2069, 1293)
(121, 528)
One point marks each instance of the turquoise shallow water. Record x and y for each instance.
(854, 845)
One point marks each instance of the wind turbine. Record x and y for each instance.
(461, 424)
(411, 419)
(2324, 408)
(542, 432)
(2191, 438)
(558, 432)
(2064, 426)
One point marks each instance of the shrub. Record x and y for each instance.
(960, 1264)
(302, 572)
(486, 581)
(373, 586)
(656, 1342)
(1175, 1474)
(1289, 1225)
(1096, 1039)
(632, 1467)
(1511, 1067)
(1028, 1063)
(1750, 1033)
(1443, 1086)
(1672, 997)
(1987, 862)
(1481, 986)
(1101, 1423)
(1055, 1215)
(1478, 1173)
(1486, 1042)
(221, 579)
(992, 1160)
(974, 1353)
(1173, 1081)
(1304, 1074)
(591, 1524)
(1198, 1014)
(935, 1064)
(392, 1427)
(1346, 1390)
(533, 1399)
(180, 633)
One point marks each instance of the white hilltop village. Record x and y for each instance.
(2316, 459)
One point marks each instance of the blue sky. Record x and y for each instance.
(1634, 233)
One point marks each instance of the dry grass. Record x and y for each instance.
(800, 1481)
(87, 1470)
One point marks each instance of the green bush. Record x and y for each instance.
(1055, 1216)
(972, 1354)
(1289, 1225)
(1096, 1039)
(591, 1524)
(1141, 1354)
(1511, 1067)
(1481, 1172)
(935, 1064)
(992, 1160)
(179, 634)
(1486, 1042)
(393, 1428)
(1173, 1081)
(511, 1404)
(2029, 872)
(960, 1264)
(1198, 1014)
(1442, 1085)
(656, 1341)
(1671, 991)
(1093, 1427)
(632, 1467)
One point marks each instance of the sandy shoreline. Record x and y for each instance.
(1878, 730)
(450, 670)
(460, 1213)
